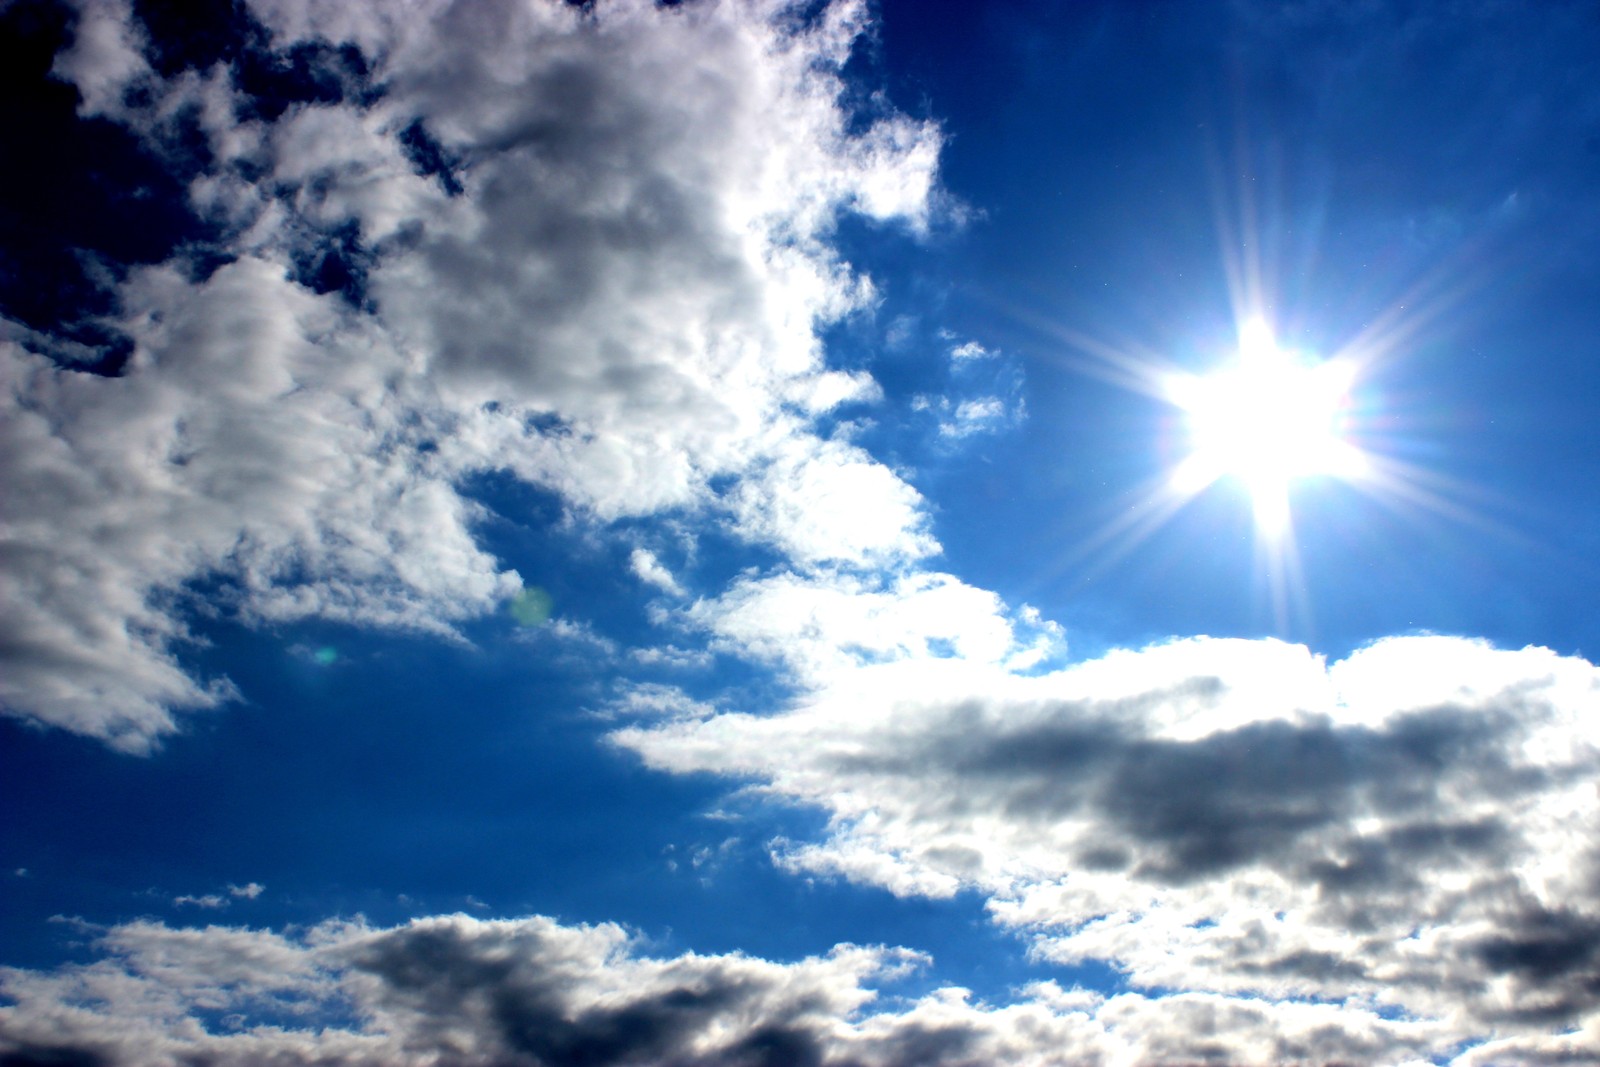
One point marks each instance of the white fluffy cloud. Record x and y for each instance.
(256, 438)
(1412, 828)
(453, 989)
(652, 571)
(604, 275)
(828, 502)
(821, 626)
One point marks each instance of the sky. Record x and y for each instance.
(855, 533)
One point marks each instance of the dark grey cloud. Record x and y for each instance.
(1413, 826)
(534, 993)
(1185, 810)
(1551, 955)
(516, 1001)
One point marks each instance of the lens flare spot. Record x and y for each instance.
(531, 607)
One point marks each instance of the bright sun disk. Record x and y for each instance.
(1269, 418)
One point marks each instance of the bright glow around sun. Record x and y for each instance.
(1271, 421)
(1267, 419)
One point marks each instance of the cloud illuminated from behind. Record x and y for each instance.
(1412, 827)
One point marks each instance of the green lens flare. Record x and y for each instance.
(531, 607)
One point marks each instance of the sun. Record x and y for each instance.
(1272, 421)
(1266, 419)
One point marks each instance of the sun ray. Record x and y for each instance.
(1154, 505)
(1271, 418)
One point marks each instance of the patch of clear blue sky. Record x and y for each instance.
(1395, 158)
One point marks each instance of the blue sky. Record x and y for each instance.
(550, 534)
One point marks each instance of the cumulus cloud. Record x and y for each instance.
(969, 350)
(831, 502)
(588, 246)
(1411, 828)
(652, 571)
(820, 626)
(241, 444)
(105, 57)
(455, 989)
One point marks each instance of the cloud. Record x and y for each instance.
(831, 502)
(982, 394)
(1412, 827)
(651, 571)
(969, 350)
(821, 626)
(535, 992)
(832, 389)
(218, 901)
(652, 699)
(586, 246)
(987, 414)
(241, 445)
(105, 57)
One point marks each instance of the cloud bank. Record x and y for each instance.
(534, 992)
(585, 246)
(1410, 830)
